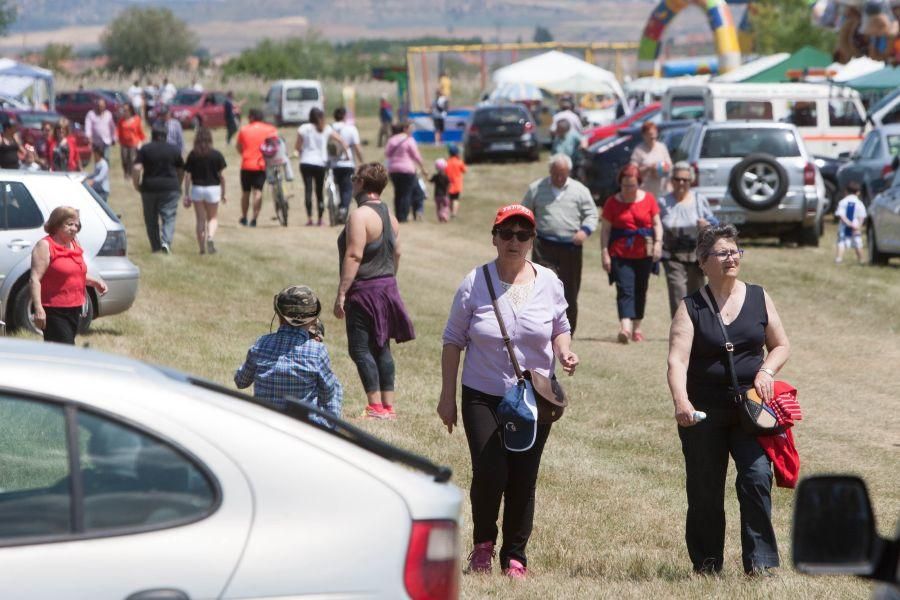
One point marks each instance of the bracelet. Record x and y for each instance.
(768, 372)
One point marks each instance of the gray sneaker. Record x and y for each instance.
(210, 247)
(166, 249)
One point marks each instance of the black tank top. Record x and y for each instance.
(378, 256)
(708, 367)
(9, 155)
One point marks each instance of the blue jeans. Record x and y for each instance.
(160, 207)
(706, 447)
(342, 177)
(632, 277)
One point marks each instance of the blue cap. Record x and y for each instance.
(453, 149)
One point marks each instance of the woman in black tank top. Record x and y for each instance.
(699, 380)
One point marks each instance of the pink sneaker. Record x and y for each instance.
(515, 570)
(389, 411)
(481, 558)
(375, 411)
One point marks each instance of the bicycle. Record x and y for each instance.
(275, 154)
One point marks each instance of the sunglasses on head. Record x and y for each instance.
(523, 235)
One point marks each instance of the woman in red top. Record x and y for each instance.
(631, 241)
(59, 277)
(62, 148)
(130, 131)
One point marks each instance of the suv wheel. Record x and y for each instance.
(23, 313)
(758, 182)
(875, 257)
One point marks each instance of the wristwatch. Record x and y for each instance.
(768, 372)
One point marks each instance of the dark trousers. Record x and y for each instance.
(498, 474)
(403, 191)
(632, 277)
(682, 278)
(564, 260)
(342, 177)
(313, 174)
(706, 447)
(129, 153)
(231, 129)
(62, 324)
(375, 364)
(160, 207)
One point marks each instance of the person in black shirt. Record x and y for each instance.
(700, 380)
(10, 146)
(157, 175)
(204, 186)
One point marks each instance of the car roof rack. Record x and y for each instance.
(335, 426)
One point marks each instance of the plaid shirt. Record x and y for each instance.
(290, 366)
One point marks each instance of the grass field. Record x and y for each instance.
(611, 501)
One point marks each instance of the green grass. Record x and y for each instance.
(610, 500)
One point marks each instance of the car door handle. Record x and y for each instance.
(19, 244)
(159, 594)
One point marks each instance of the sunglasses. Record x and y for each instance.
(724, 255)
(682, 179)
(522, 235)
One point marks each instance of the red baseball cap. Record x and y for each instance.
(513, 210)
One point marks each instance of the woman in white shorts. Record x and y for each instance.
(204, 187)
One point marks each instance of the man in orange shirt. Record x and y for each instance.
(456, 168)
(253, 165)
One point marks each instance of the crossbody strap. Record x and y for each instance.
(506, 340)
(729, 347)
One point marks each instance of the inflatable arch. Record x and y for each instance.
(720, 21)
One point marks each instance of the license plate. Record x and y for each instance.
(503, 146)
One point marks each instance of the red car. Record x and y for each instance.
(76, 105)
(635, 119)
(30, 123)
(193, 108)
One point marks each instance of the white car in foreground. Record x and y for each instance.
(122, 480)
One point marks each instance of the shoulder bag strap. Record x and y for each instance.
(506, 340)
(729, 347)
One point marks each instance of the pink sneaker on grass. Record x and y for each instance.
(481, 558)
(376, 411)
(515, 570)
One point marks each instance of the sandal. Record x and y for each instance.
(623, 337)
(637, 336)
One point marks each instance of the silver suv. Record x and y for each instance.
(758, 176)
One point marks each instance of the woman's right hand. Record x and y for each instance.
(684, 413)
(40, 317)
(606, 261)
(446, 409)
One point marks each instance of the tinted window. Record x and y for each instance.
(893, 142)
(892, 117)
(100, 201)
(682, 152)
(843, 113)
(865, 149)
(756, 110)
(737, 143)
(875, 150)
(17, 208)
(186, 98)
(301, 94)
(34, 120)
(501, 114)
(133, 480)
(802, 114)
(34, 467)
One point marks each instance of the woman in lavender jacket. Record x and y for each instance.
(533, 307)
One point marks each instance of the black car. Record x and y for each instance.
(604, 159)
(500, 131)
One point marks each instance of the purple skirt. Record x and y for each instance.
(380, 299)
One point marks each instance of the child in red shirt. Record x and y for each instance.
(455, 171)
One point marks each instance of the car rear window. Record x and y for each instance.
(186, 98)
(502, 114)
(303, 93)
(728, 143)
(893, 142)
(101, 202)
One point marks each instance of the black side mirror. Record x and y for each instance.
(834, 527)
(844, 156)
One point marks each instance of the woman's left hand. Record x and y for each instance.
(339, 308)
(764, 384)
(101, 287)
(569, 361)
(187, 202)
(657, 251)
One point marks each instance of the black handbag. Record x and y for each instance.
(551, 399)
(756, 417)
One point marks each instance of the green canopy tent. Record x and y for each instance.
(806, 57)
(880, 82)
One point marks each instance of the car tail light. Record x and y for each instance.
(115, 244)
(886, 171)
(809, 174)
(695, 180)
(529, 126)
(473, 130)
(432, 569)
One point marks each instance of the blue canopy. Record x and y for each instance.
(27, 82)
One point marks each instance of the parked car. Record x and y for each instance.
(26, 200)
(635, 119)
(193, 108)
(834, 534)
(30, 123)
(76, 105)
(141, 472)
(883, 224)
(605, 158)
(758, 176)
(290, 100)
(871, 164)
(829, 167)
(500, 131)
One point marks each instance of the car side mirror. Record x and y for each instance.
(844, 156)
(834, 527)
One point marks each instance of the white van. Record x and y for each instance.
(830, 118)
(290, 100)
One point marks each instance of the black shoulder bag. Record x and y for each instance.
(551, 399)
(756, 418)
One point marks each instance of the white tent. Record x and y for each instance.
(558, 72)
(30, 83)
(862, 65)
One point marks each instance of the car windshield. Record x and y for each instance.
(500, 114)
(301, 94)
(884, 102)
(34, 120)
(730, 143)
(186, 98)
